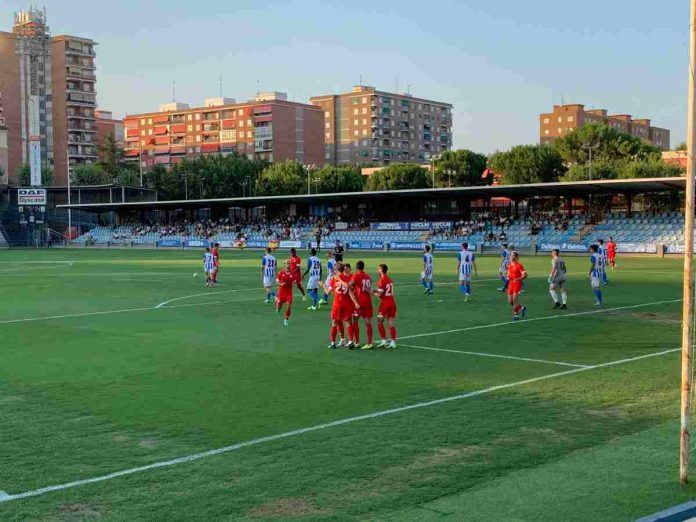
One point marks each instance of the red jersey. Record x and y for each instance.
(295, 263)
(285, 281)
(611, 248)
(215, 256)
(515, 270)
(387, 286)
(362, 286)
(341, 291)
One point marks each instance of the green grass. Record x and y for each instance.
(86, 395)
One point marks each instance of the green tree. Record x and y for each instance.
(110, 157)
(217, 176)
(399, 176)
(597, 170)
(338, 179)
(282, 179)
(460, 168)
(24, 175)
(89, 174)
(528, 164)
(651, 168)
(605, 143)
(682, 146)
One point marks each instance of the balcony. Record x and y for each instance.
(263, 145)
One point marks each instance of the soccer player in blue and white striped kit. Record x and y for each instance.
(330, 269)
(208, 266)
(602, 251)
(466, 264)
(315, 272)
(268, 274)
(505, 262)
(596, 264)
(427, 274)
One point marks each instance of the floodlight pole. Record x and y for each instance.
(687, 312)
(67, 164)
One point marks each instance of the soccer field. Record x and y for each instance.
(190, 403)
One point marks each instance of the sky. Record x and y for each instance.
(499, 62)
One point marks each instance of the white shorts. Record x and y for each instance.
(594, 282)
(557, 282)
(427, 277)
(268, 282)
(464, 277)
(313, 283)
(326, 283)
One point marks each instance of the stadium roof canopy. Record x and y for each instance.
(576, 189)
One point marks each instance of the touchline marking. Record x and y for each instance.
(545, 318)
(55, 265)
(165, 303)
(318, 427)
(497, 356)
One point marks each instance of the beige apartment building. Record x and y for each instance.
(371, 127)
(48, 86)
(566, 118)
(269, 127)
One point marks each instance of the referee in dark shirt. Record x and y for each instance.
(338, 252)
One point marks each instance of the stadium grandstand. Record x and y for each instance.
(535, 217)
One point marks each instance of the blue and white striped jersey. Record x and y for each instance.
(208, 262)
(597, 264)
(314, 266)
(603, 252)
(428, 263)
(505, 261)
(268, 262)
(466, 262)
(331, 265)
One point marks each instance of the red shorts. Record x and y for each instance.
(341, 312)
(284, 298)
(612, 257)
(514, 287)
(298, 277)
(387, 310)
(364, 311)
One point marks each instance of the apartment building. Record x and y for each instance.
(4, 159)
(107, 125)
(371, 127)
(48, 85)
(566, 118)
(269, 127)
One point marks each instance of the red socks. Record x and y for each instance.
(369, 333)
(333, 334)
(382, 331)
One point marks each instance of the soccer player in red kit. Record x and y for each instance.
(611, 253)
(296, 269)
(216, 261)
(340, 310)
(387, 307)
(361, 284)
(285, 280)
(516, 274)
(351, 306)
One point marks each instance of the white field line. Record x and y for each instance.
(53, 266)
(545, 318)
(495, 355)
(6, 497)
(165, 303)
(122, 311)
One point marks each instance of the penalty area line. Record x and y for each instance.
(544, 318)
(496, 356)
(7, 497)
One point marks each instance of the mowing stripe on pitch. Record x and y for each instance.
(544, 318)
(6, 497)
(165, 303)
(495, 355)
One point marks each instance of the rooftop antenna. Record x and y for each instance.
(220, 80)
(396, 83)
(258, 87)
(408, 89)
(173, 92)
(360, 81)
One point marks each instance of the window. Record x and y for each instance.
(364, 132)
(364, 100)
(356, 112)
(142, 132)
(241, 134)
(328, 156)
(249, 123)
(198, 138)
(149, 121)
(241, 123)
(240, 112)
(364, 121)
(356, 132)
(560, 131)
(190, 117)
(560, 119)
(198, 127)
(356, 122)
(327, 125)
(142, 122)
(356, 143)
(149, 132)
(328, 134)
(547, 120)
(327, 114)
(198, 116)
(571, 118)
(189, 128)
(364, 110)
(546, 132)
